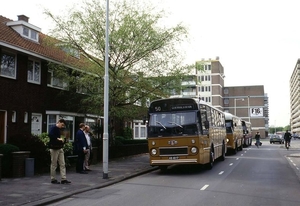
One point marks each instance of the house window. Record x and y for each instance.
(226, 101)
(33, 35)
(54, 80)
(14, 116)
(30, 34)
(34, 72)
(8, 65)
(68, 131)
(25, 31)
(225, 91)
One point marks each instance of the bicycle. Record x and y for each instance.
(287, 144)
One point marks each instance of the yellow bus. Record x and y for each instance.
(185, 131)
(247, 132)
(234, 132)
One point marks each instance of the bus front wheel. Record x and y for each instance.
(211, 160)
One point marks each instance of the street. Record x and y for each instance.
(254, 176)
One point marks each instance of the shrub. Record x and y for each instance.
(68, 147)
(6, 161)
(37, 148)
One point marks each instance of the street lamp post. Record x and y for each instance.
(249, 109)
(106, 98)
(235, 104)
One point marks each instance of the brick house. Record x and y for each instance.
(32, 97)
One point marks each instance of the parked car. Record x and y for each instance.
(276, 138)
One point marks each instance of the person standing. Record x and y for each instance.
(56, 145)
(89, 148)
(81, 146)
(257, 138)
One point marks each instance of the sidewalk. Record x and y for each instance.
(38, 190)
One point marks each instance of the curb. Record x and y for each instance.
(59, 197)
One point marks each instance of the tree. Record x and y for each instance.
(143, 60)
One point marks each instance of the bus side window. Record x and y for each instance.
(206, 124)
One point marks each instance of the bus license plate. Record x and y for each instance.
(173, 158)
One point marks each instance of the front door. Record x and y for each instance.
(36, 124)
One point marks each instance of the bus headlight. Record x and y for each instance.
(194, 150)
(153, 152)
(227, 140)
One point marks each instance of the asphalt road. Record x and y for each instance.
(254, 176)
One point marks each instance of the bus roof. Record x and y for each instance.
(229, 116)
(195, 101)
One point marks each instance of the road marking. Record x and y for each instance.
(204, 187)
(230, 164)
(221, 172)
(245, 151)
(242, 154)
(237, 158)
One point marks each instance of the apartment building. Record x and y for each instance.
(295, 99)
(250, 103)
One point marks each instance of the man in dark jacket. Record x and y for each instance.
(81, 147)
(56, 144)
(287, 139)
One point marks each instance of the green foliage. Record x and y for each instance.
(6, 161)
(145, 61)
(273, 130)
(127, 133)
(68, 147)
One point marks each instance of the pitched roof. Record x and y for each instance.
(42, 49)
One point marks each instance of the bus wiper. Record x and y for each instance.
(161, 124)
(176, 124)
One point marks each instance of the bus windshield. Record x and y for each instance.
(229, 126)
(175, 123)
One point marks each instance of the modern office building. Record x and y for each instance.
(248, 102)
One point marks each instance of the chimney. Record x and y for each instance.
(23, 18)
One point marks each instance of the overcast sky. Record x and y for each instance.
(257, 41)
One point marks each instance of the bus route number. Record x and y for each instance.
(157, 109)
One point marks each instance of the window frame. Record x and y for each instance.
(15, 65)
(33, 73)
(64, 85)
